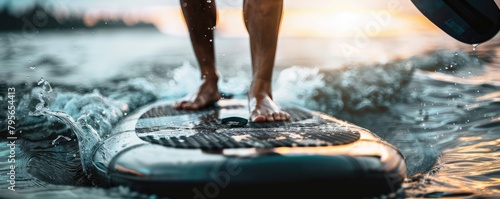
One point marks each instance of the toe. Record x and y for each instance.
(277, 116)
(190, 106)
(270, 117)
(179, 104)
(259, 118)
(285, 116)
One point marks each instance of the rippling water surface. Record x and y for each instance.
(434, 99)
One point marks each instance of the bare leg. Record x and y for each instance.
(200, 18)
(262, 19)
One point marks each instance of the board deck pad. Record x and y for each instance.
(203, 129)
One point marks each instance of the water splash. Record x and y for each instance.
(45, 85)
(352, 88)
(182, 81)
(446, 61)
(59, 137)
(300, 84)
(40, 107)
(89, 114)
(86, 135)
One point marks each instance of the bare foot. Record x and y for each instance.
(262, 106)
(207, 94)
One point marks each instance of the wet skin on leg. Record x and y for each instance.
(200, 17)
(262, 20)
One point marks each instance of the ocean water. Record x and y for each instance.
(438, 101)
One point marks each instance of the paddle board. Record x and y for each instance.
(216, 153)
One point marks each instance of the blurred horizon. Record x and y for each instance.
(316, 18)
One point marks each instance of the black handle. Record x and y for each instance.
(234, 121)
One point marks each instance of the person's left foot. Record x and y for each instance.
(262, 106)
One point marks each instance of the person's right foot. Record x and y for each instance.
(261, 104)
(207, 94)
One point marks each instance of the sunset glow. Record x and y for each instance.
(296, 22)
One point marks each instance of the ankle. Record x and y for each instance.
(212, 79)
(210, 76)
(260, 89)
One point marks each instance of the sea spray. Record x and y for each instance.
(446, 61)
(89, 113)
(184, 80)
(355, 89)
(366, 88)
(55, 141)
(303, 86)
(86, 135)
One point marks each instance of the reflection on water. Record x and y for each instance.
(456, 123)
(427, 95)
(478, 159)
